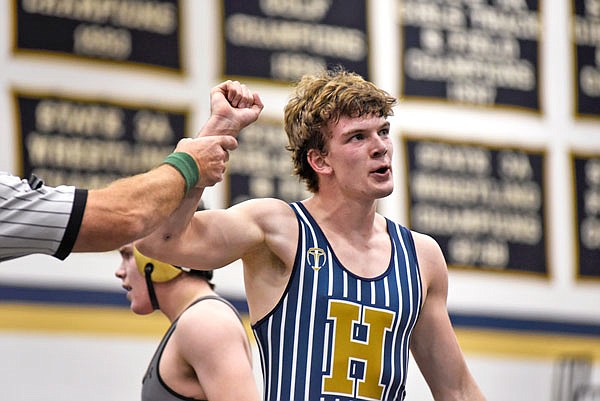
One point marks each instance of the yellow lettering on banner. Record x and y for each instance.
(590, 233)
(591, 201)
(261, 187)
(469, 251)
(589, 80)
(512, 226)
(522, 25)
(465, 159)
(94, 40)
(514, 165)
(347, 348)
(91, 154)
(432, 15)
(142, 15)
(592, 7)
(291, 66)
(293, 36)
(484, 45)
(312, 10)
(152, 127)
(79, 119)
(513, 5)
(592, 172)
(510, 73)
(478, 93)
(289, 188)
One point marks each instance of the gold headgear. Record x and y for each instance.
(159, 271)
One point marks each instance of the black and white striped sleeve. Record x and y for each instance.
(44, 220)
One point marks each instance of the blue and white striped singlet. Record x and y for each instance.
(335, 336)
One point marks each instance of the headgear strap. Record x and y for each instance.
(148, 276)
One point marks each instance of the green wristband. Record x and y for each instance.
(186, 165)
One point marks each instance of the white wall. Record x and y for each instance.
(68, 366)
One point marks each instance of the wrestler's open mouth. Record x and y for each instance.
(382, 170)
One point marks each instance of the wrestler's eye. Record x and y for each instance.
(125, 254)
(384, 132)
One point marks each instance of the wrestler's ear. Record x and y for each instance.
(318, 161)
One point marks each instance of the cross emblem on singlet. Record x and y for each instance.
(316, 258)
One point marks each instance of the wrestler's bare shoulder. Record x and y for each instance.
(264, 206)
(267, 212)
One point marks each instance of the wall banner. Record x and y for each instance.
(125, 31)
(586, 36)
(484, 205)
(483, 53)
(586, 173)
(282, 40)
(261, 167)
(90, 143)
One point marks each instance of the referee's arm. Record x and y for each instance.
(133, 207)
(128, 209)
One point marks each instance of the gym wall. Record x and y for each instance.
(497, 156)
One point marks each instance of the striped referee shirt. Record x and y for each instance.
(335, 336)
(38, 220)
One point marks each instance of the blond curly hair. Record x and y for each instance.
(321, 99)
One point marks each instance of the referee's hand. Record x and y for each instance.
(211, 154)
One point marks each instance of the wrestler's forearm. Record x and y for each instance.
(173, 237)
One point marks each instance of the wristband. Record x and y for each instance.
(186, 165)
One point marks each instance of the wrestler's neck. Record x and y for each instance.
(180, 294)
(349, 214)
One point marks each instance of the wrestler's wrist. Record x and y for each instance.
(219, 125)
